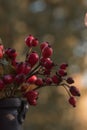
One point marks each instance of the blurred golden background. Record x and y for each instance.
(60, 22)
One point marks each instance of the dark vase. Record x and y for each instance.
(12, 113)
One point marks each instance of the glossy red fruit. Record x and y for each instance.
(31, 94)
(72, 101)
(8, 79)
(32, 79)
(32, 97)
(2, 85)
(33, 58)
(27, 69)
(35, 42)
(33, 102)
(43, 45)
(47, 52)
(1, 53)
(48, 64)
(1, 47)
(28, 40)
(20, 68)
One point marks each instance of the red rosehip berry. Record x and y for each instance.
(69, 80)
(47, 52)
(27, 69)
(14, 62)
(19, 79)
(61, 72)
(2, 85)
(35, 42)
(33, 102)
(72, 101)
(48, 64)
(8, 79)
(1, 47)
(32, 97)
(42, 61)
(31, 94)
(28, 40)
(74, 91)
(63, 66)
(33, 58)
(11, 53)
(1, 53)
(32, 79)
(39, 82)
(55, 79)
(43, 45)
(48, 81)
(20, 68)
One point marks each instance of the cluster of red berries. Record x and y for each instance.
(38, 70)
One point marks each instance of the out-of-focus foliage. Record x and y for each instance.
(60, 22)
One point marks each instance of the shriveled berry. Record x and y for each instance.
(69, 80)
(74, 91)
(72, 101)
